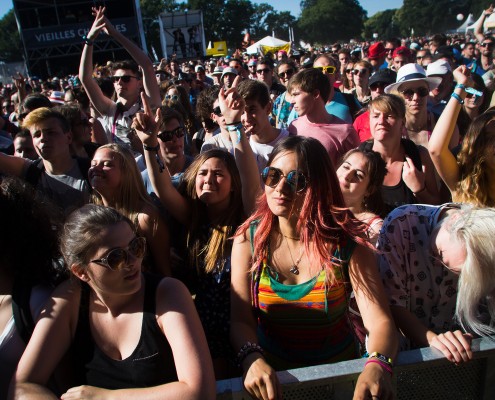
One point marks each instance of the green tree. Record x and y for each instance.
(326, 21)
(266, 20)
(383, 24)
(10, 42)
(427, 17)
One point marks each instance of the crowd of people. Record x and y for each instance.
(166, 226)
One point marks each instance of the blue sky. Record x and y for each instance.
(372, 6)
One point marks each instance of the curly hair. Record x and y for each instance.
(477, 148)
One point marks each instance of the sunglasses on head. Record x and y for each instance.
(167, 136)
(263, 71)
(116, 259)
(329, 69)
(217, 111)
(286, 73)
(421, 92)
(171, 97)
(271, 177)
(123, 78)
(359, 71)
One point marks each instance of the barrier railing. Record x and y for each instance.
(418, 374)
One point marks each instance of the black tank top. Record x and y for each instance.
(150, 364)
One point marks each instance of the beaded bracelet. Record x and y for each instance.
(246, 350)
(382, 364)
(87, 40)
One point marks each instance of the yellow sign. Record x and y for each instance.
(273, 50)
(218, 49)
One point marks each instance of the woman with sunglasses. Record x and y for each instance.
(216, 194)
(414, 86)
(117, 183)
(411, 175)
(281, 106)
(470, 177)
(160, 349)
(292, 263)
(360, 77)
(347, 79)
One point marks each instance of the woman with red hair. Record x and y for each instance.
(294, 263)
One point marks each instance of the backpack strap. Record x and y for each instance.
(21, 309)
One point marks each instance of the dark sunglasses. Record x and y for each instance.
(217, 111)
(348, 71)
(263, 71)
(420, 57)
(359, 71)
(116, 259)
(286, 73)
(271, 177)
(173, 97)
(421, 92)
(470, 95)
(329, 69)
(389, 50)
(167, 136)
(486, 44)
(378, 85)
(123, 78)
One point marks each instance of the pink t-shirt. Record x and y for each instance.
(337, 137)
(362, 126)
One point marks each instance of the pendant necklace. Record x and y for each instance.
(294, 269)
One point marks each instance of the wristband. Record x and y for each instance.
(236, 127)
(234, 123)
(151, 148)
(382, 364)
(460, 86)
(457, 97)
(87, 40)
(379, 356)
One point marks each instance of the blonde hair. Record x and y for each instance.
(475, 179)
(132, 195)
(475, 228)
(42, 114)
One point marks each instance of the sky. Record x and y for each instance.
(372, 6)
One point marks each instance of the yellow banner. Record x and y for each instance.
(273, 50)
(218, 49)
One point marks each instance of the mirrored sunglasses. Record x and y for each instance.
(171, 97)
(116, 259)
(271, 177)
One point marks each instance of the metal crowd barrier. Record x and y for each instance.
(418, 374)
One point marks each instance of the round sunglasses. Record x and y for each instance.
(167, 136)
(117, 259)
(271, 177)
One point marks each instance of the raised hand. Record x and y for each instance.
(98, 23)
(145, 123)
(462, 75)
(231, 103)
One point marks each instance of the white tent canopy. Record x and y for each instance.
(267, 41)
(467, 24)
(489, 23)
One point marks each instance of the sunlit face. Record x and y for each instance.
(175, 147)
(361, 75)
(281, 199)
(129, 89)
(24, 148)
(105, 173)
(122, 282)
(447, 249)
(303, 101)
(49, 139)
(264, 73)
(325, 62)
(384, 125)
(285, 72)
(415, 103)
(218, 119)
(344, 58)
(255, 117)
(214, 183)
(472, 102)
(399, 62)
(353, 178)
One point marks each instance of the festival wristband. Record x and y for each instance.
(457, 97)
(236, 127)
(87, 40)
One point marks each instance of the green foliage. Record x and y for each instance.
(427, 17)
(383, 23)
(10, 42)
(326, 21)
